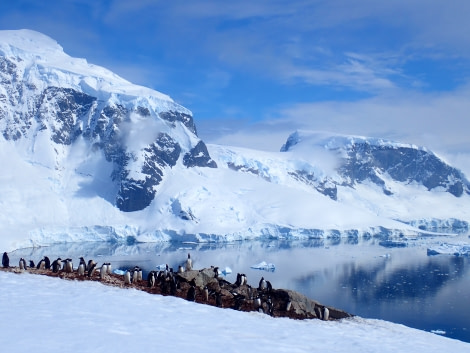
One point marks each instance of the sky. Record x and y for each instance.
(253, 72)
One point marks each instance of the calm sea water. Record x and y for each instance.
(402, 285)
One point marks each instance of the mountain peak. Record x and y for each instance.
(26, 40)
(42, 59)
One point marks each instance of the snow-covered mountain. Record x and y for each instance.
(51, 101)
(87, 155)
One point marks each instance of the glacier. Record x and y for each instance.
(88, 156)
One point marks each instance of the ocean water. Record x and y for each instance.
(361, 276)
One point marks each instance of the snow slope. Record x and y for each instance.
(40, 313)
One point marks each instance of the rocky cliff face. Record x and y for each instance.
(370, 160)
(140, 131)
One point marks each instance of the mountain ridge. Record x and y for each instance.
(91, 157)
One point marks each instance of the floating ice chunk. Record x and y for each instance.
(161, 267)
(119, 272)
(449, 249)
(226, 271)
(263, 265)
(438, 332)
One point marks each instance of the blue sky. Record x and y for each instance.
(254, 71)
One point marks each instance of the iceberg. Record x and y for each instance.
(449, 249)
(263, 265)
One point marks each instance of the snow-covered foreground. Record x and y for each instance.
(39, 313)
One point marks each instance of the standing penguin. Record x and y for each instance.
(191, 295)
(91, 268)
(257, 302)
(68, 266)
(47, 263)
(82, 262)
(5, 260)
(56, 265)
(173, 285)
(31, 264)
(22, 264)
(189, 263)
(41, 265)
(81, 269)
(103, 271)
(127, 277)
(218, 299)
(216, 272)
(262, 284)
(151, 279)
(238, 282)
(325, 314)
(109, 268)
(206, 294)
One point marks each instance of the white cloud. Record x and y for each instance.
(437, 121)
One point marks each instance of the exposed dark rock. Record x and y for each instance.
(186, 119)
(199, 157)
(277, 302)
(405, 164)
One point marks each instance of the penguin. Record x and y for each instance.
(249, 292)
(257, 302)
(127, 277)
(239, 300)
(243, 279)
(269, 287)
(238, 282)
(180, 269)
(189, 263)
(91, 269)
(262, 284)
(166, 270)
(206, 294)
(218, 299)
(81, 269)
(82, 262)
(68, 266)
(109, 268)
(90, 263)
(22, 264)
(31, 264)
(318, 312)
(173, 285)
(5, 260)
(103, 271)
(216, 272)
(41, 265)
(191, 295)
(47, 263)
(137, 274)
(288, 305)
(325, 314)
(151, 279)
(56, 265)
(270, 306)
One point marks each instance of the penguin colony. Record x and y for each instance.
(185, 283)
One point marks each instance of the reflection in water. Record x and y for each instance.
(402, 285)
(406, 282)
